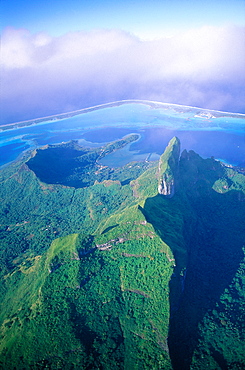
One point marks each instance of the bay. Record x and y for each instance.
(209, 133)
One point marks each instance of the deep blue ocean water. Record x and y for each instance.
(208, 133)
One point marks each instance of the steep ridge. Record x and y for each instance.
(145, 285)
(168, 168)
(203, 226)
(215, 254)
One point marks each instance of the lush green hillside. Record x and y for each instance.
(118, 274)
(70, 165)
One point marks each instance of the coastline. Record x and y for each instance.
(153, 104)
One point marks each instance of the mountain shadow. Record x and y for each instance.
(70, 165)
(204, 230)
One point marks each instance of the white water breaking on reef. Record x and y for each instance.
(200, 129)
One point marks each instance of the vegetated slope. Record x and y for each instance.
(71, 165)
(33, 213)
(94, 301)
(104, 297)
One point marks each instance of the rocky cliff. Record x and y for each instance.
(168, 168)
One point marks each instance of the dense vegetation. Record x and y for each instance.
(70, 165)
(100, 271)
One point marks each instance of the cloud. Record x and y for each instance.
(44, 75)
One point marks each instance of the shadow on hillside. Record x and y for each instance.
(210, 230)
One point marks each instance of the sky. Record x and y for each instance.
(59, 56)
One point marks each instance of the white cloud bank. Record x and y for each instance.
(43, 75)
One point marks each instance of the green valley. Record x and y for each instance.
(135, 267)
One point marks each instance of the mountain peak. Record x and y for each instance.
(168, 168)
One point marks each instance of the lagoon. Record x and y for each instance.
(209, 133)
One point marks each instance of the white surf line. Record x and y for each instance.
(111, 104)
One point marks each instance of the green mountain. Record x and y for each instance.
(139, 267)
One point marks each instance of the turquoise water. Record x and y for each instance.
(210, 133)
